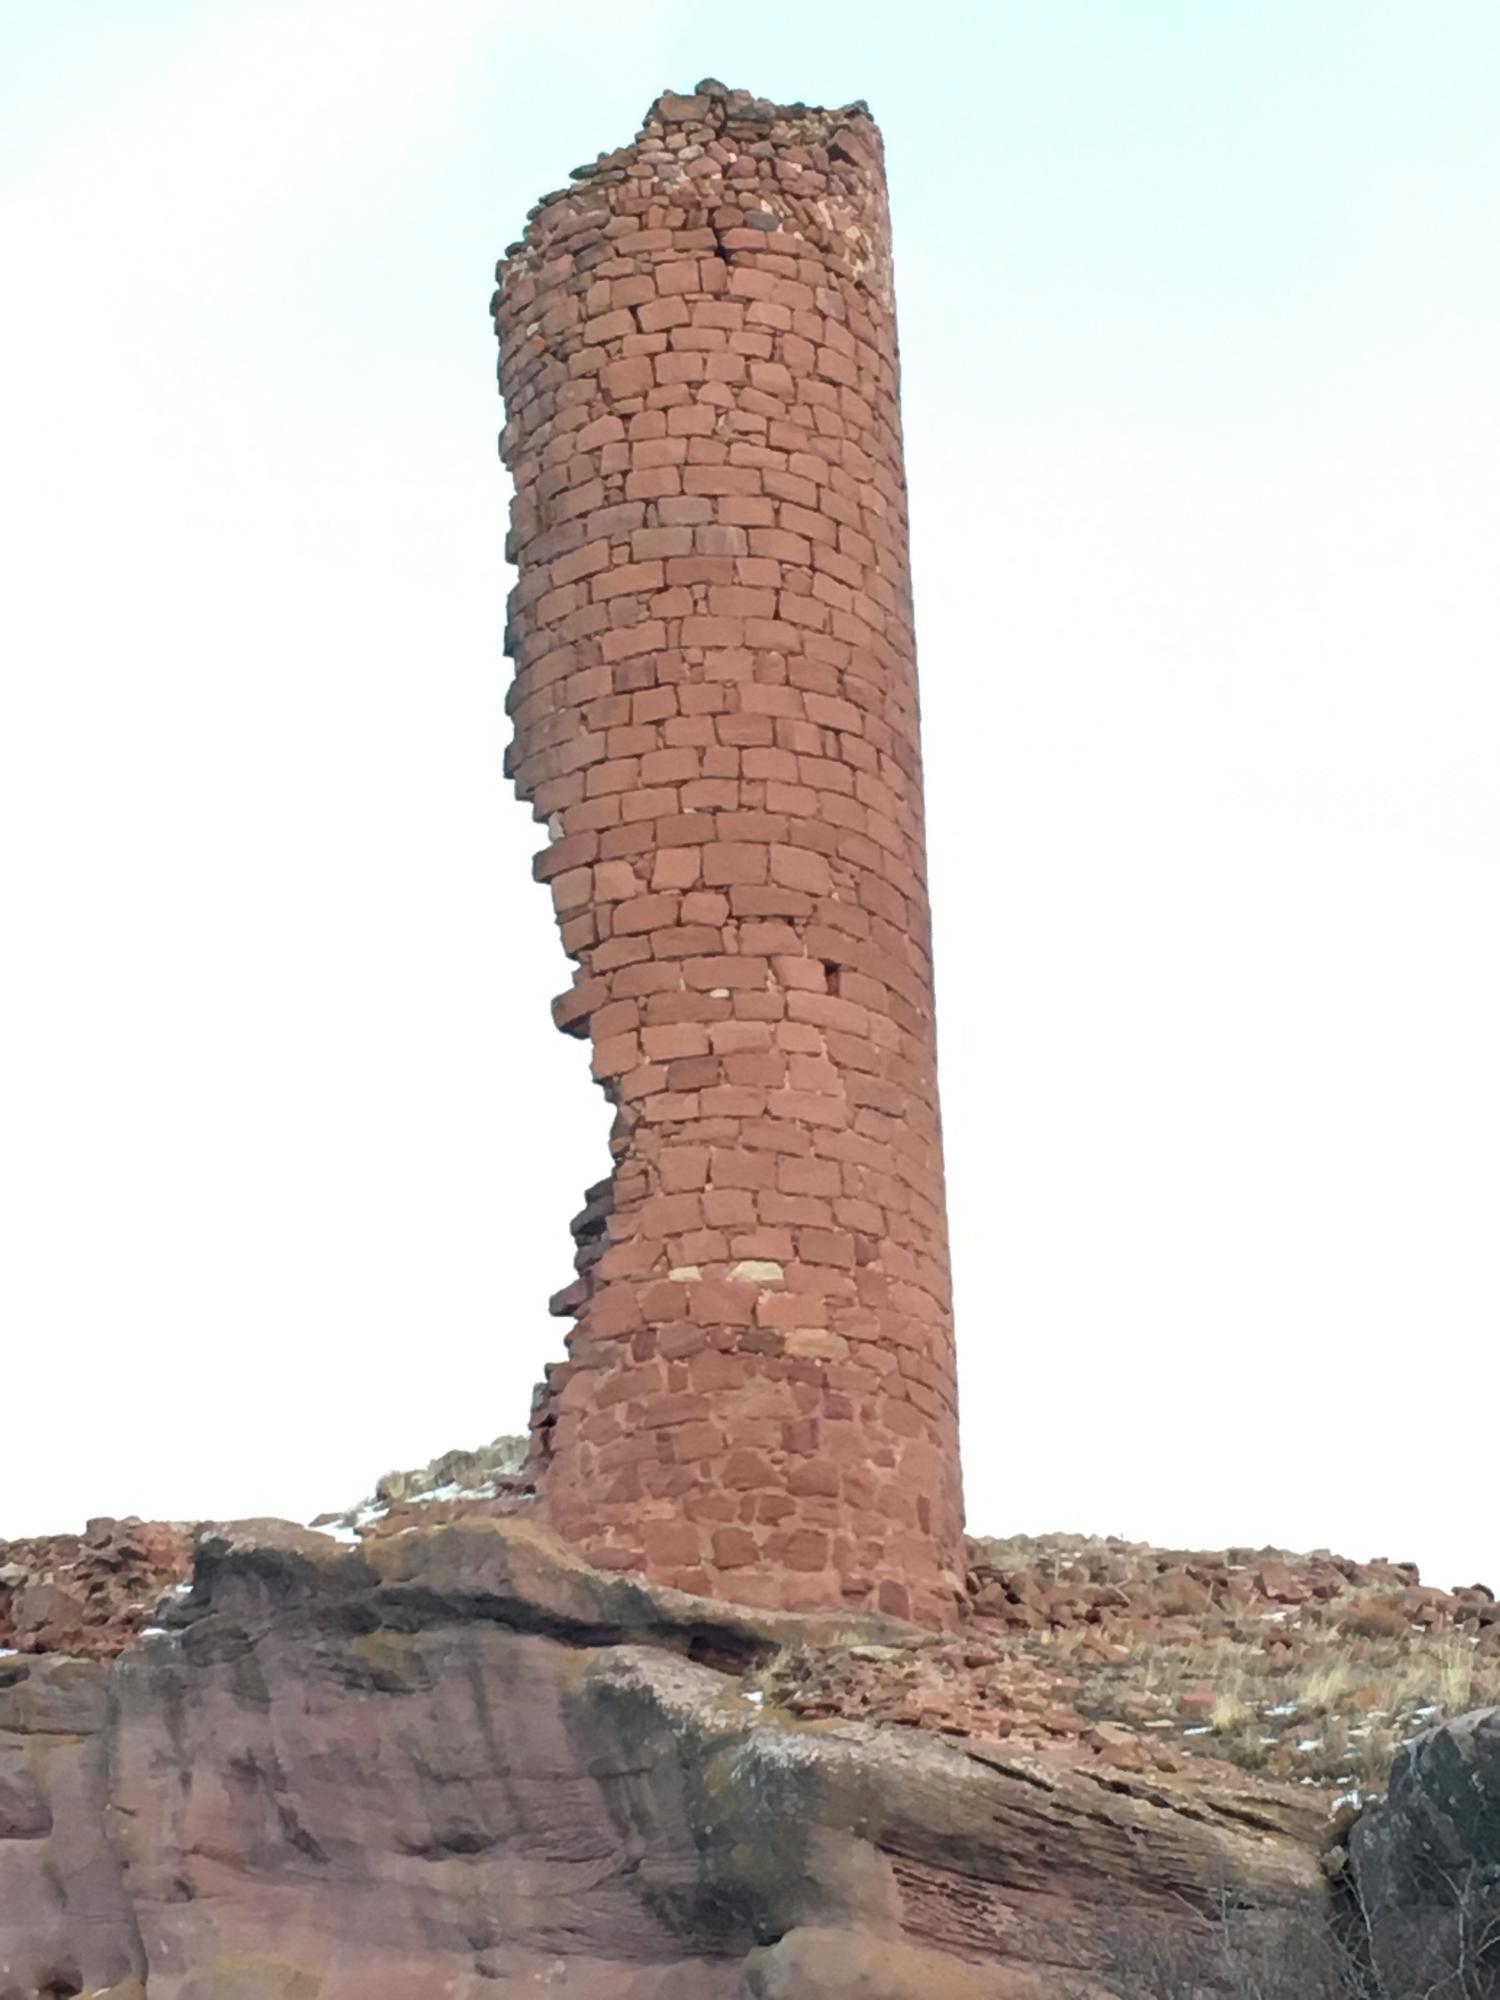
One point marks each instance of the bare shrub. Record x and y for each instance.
(1375, 1618)
(1236, 1954)
(1448, 1948)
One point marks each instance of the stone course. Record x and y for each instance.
(715, 711)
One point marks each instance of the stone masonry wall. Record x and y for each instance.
(715, 713)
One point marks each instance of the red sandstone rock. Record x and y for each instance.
(1099, 1701)
(88, 1594)
(715, 715)
(459, 1760)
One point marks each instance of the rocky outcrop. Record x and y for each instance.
(1116, 1591)
(1082, 1649)
(458, 1761)
(88, 1594)
(447, 1487)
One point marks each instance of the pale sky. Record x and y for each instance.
(1200, 303)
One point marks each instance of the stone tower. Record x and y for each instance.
(715, 708)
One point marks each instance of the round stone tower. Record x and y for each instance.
(715, 709)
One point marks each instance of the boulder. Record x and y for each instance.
(1425, 1863)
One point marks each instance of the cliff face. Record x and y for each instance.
(458, 1761)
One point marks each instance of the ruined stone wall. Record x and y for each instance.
(715, 714)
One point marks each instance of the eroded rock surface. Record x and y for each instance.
(459, 1761)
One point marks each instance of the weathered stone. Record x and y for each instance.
(461, 1761)
(89, 1593)
(836, 1963)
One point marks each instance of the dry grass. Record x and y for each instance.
(1330, 1710)
(1328, 1688)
